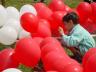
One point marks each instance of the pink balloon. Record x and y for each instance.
(6, 60)
(27, 52)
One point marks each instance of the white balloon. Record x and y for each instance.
(11, 70)
(28, 8)
(23, 34)
(13, 13)
(3, 15)
(14, 24)
(8, 35)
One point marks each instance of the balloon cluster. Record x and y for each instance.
(41, 20)
(55, 58)
(32, 29)
(87, 14)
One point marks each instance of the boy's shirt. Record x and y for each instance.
(79, 38)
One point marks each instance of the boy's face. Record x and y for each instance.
(69, 25)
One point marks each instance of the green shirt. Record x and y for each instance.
(79, 38)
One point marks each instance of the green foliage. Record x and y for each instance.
(25, 69)
(17, 3)
(72, 3)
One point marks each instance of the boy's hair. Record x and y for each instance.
(71, 16)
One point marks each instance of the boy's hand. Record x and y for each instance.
(61, 31)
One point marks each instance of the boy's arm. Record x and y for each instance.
(73, 40)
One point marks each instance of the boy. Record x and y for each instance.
(79, 40)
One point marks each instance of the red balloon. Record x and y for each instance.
(6, 60)
(55, 33)
(84, 9)
(90, 65)
(73, 61)
(56, 61)
(68, 9)
(93, 16)
(54, 25)
(91, 52)
(43, 11)
(89, 25)
(39, 5)
(50, 47)
(82, 18)
(50, 40)
(29, 22)
(57, 5)
(27, 52)
(56, 21)
(42, 31)
(73, 68)
(38, 40)
(58, 16)
(44, 22)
